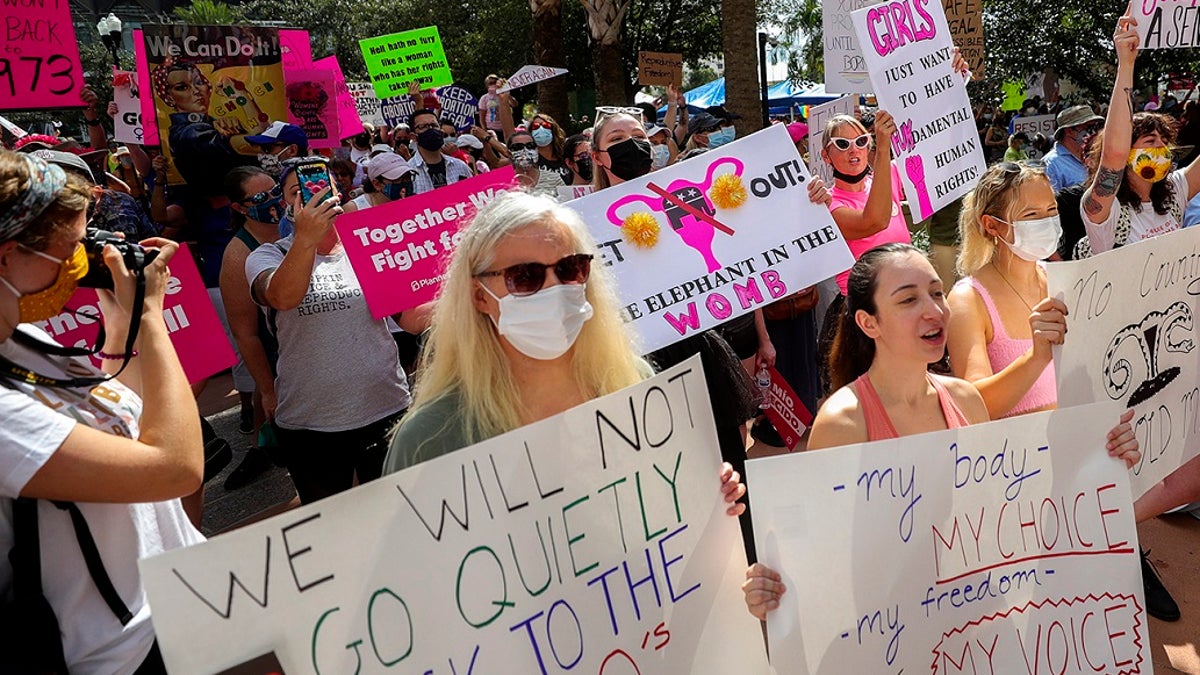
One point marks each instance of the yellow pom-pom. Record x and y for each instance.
(640, 229)
(727, 191)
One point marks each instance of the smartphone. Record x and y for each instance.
(313, 177)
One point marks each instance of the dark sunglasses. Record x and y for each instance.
(264, 196)
(538, 124)
(845, 143)
(528, 278)
(522, 146)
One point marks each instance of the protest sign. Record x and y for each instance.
(660, 68)
(1166, 23)
(142, 74)
(39, 58)
(127, 123)
(349, 123)
(1131, 338)
(530, 74)
(936, 146)
(965, 18)
(366, 103)
(397, 109)
(637, 570)
(399, 249)
(296, 48)
(1035, 124)
(707, 240)
(568, 192)
(459, 107)
(11, 128)
(312, 105)
(845, 70)
(1009, 547)
(237, 90)
(785, 410)
(393, 61)
(818, 115)
(196, 331)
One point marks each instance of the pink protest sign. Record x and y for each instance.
(196, 331)
(296, 48)
(399, 249)
(312, 105)
(142, 68)
(349, 122)
(786, 411)
(39, 58)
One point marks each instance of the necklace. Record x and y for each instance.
(1014, 288)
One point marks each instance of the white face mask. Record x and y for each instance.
(544, 325)
(659, 155)
(1035, 240)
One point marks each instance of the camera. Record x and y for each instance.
(98, 276)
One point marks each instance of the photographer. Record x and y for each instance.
(115, 454)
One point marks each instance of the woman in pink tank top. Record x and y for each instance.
(892, 327)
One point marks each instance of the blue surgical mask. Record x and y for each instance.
(542, 136)
(270, 211)
(720, 137)
(286, 223)
(394, 191)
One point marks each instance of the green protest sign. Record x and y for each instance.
(395, 60)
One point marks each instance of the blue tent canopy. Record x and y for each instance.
(783, 97)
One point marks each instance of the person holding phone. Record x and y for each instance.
(334, 406)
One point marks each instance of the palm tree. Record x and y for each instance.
(209, 13)
(548, 51)
(739, 38)
(604, 23)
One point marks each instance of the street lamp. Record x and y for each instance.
(110, 35)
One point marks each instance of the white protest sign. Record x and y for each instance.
(528, 75)
(907, 46)
(127, 123)
(1167, 23)
(12, 128)
(1006, 547)
(568, 192)
(818, 115)
(446, 567)
(367, 103)
(845, 69)
(709, 239)
(1035, 124)
(1131, 338)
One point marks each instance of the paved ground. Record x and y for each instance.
(1173, 540)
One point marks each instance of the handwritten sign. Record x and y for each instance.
(312, 105)
(786, 411)
(459, 106)
(1009, 547)
(568, 192)
(1163, 24)
(11, 128)
(936, 146)
(127, 123)
(818, 115)
(366, 103)
(562, 545)
(399, 249)
(690, 246)
(660, 68)
(528, 75)
(1131, 338)
(142, 73)
(39, 57)
(965, 18)
(196, 331)
(845, 69)
(1035, 124)
(349, 124)
(393, 61)
(296, 47)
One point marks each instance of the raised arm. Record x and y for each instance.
(877, 213)
(284, 287)
(1118, 128)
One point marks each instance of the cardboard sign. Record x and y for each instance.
(1035, 124)
(562, 545)
(1166, 24)
(127, 123)
(296, 47)
(1007, 547)
(397, 109)
(142, 73)
(845, 69)
(195, 329)
(399, 249)
(237, 90)
(1131, 338)
(568, 192)
(936, 146)
(660, 68)
(459, 107)
(818, 115)
(965, 18)
(39, 59)
(707, 240)
(349, 123)
(366, 103)
(528, 75)
(393, 61)
(312, 105)
(786, 411)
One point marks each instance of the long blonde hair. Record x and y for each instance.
(599, 176)
(995, 195)
(463, 353)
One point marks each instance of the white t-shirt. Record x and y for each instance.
(36, 422)
(1142, 225)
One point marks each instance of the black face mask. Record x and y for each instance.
(850, 178)
(431, 139)
(630, 158)
(362, 141)
(583, 167)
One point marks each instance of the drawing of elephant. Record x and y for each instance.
(1155, 328)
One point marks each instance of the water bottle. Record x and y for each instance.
(763, 380)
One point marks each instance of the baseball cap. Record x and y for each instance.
(68, 161)
(702, 122)
(797, 130)
(469, 141)
(1073, 117)
(388, 165)
(280, 132)
(379, 148)
(721, 113)
(652, 129)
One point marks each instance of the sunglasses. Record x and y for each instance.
(617, 110)
(1015, 167)
(528, 278)
(844, 144)
(538, 124)
(522, 146)
(264, 196)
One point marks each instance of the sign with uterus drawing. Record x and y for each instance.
(1131, 337)
(714, 237)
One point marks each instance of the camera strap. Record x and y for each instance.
(17, 372)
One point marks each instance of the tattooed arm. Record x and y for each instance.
(1118, 129)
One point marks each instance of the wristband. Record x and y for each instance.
(115, 357)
